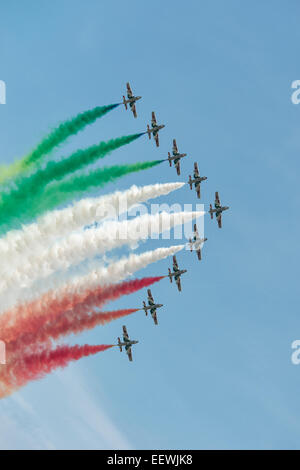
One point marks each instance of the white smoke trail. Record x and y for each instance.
(58, 223)
(114, 272)
(85, 245)
(119, 270)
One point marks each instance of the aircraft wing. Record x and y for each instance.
(217, 199)
(178, 282)
(154, 316)
(198, 191)
(153, 120)
(156, 140)
(199, 254)
(196, 171)
(219, 219)
(177, 164)
(196, 231)
(175, 264)
(125, 334)
(175, 149)
(129, 353)
(129, 92)
(150, 297)
(133, 109)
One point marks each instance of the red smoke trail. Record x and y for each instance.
(67, 323)
(32, 316)
(36, 366)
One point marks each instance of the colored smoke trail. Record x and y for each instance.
(30, 367)
(40, 320)
(63, 192)
(16, 204)
(66, 191)
(58, 285)
(59, 223)
(85, 245)
(54, 139)
(65, 324)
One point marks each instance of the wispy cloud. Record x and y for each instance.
(83, 423)
(87, 412)
(21, 427)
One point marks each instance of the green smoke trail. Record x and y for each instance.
(53, 140)
(63, 192)
(30, 188)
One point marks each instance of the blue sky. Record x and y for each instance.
(216, 373)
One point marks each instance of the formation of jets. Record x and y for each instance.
(195, 242)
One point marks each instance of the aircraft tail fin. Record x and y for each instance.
(119, 344)
(190, 182)
(211, 213)
(170, 276)
(146, 311)
(148, 131)
(124, 102)
(169, 158)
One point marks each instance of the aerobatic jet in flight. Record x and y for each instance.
(154, 129)
(152, 306)
(126, 343)
(197, 180)
(176, 156)
(217, 210)
(196, 242)
(131, 100)
(176, 273)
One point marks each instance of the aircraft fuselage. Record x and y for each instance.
(128, 344)
(155, 129)
(153, 306)
(178, 272)
(198, 179)
(132, 100)
(198, 241)
(219, 209)
(177, 156)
